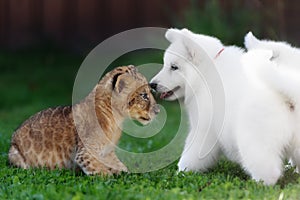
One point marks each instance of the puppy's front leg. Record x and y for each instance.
(199, 154)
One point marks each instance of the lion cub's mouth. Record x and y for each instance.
(169, 93)
(145, 119)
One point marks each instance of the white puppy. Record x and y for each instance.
(194, 66)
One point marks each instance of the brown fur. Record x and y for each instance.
(84, 135)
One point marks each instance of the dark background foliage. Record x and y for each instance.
(79, 25)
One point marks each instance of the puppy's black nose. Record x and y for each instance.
(153, 86)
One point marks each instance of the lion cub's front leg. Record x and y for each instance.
(118, 166)
(89, 164)
(92, 166)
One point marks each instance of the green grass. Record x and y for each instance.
(32, 81)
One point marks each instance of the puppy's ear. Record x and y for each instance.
(118, 83)
(250, 41)
(173, 34)
(195, 52)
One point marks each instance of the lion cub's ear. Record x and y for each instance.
(118, 82)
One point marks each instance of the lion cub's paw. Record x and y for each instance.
(119, 169)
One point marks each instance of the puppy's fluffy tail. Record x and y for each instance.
(260, 68)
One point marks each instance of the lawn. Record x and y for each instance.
(32, 81)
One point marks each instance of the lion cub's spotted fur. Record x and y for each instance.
(51, 139)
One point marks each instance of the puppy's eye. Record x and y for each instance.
(174, 67)
(144, 96)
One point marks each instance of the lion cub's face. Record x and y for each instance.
(142, 106)
(133, 91)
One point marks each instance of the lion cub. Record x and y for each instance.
(85, 135)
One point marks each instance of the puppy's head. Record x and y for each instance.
(183, 61)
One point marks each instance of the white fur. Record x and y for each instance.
(283, 53)
(255, 132)
(283, 77)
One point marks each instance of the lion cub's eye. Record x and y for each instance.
(144, 96)
(174, 67)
